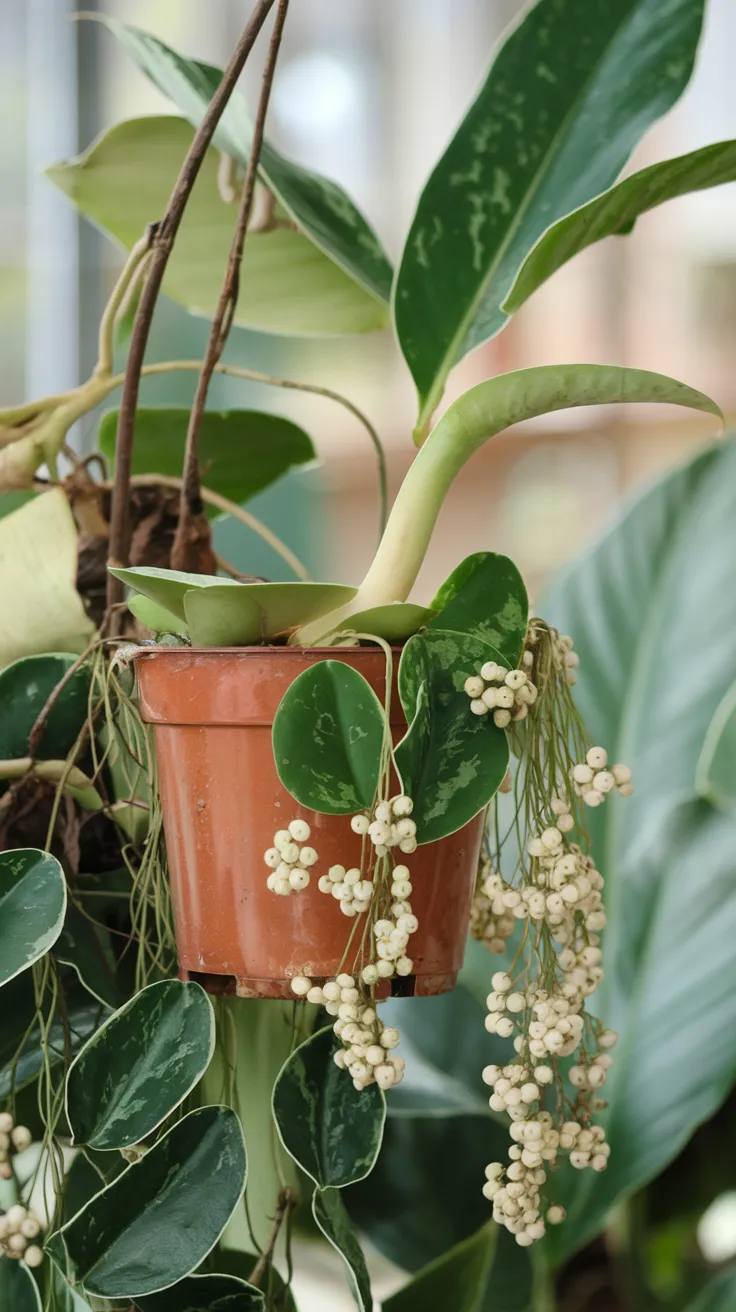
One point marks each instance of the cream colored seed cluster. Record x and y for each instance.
(507, 693)
(391, 826)
(289, 860)
(13, 1139)
(491, 921)
(593, 781)
(348, 888)
(367, 1043)
(18, 1229)
(392, 936)
(565, 658)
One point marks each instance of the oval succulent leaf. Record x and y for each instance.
(140, 1065)
(167, 587)
(458, 1279)
(25, 686)
(328, 1126)
(252, 613)
(329, 1212)
(205, 1294)
(158, 1220)
(32, 908)
(328, 737)
(451, 761)
(394, 623)
(155, 617)
(486, 598)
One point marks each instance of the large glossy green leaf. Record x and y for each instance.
(253, 613)
(205, 1294)
(568, 96)
(32, 908)
(715, 776)
(451, 762)
(24, 688)
(329, 1212)
(458, 1280)
(159, 1219)
(127, 175)
(635, 605)
(241, 452)
(18, 1290)
(719, 1295)
(617, 210)
(328, 737)
(140, 1065)
(42, 610)
(167, 587)
(320, 208)
(328, 1126)
(485, 596)
(85, 946)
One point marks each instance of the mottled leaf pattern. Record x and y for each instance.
(328, 737)
(253, 613)
(140, 1065)
(329, 1213)
(485, 597)
(328, 1126)
(24, 689)
(458, 1280)
(158, 1220)
(205, 1294)
(32, 908)
(570, 93)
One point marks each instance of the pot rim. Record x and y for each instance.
(281, 649)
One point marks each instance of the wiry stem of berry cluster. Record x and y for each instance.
(553, 896)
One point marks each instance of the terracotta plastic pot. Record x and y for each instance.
(212, 712)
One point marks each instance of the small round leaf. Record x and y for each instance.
(32, 908)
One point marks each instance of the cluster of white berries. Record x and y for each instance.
(367, 1043)
(391, 826)
(348, 888)
(392, 936)
(491, 921)
(18, 1226)
(507, 693)
(13, 1139)
(565, 658)
(593, 781)
(288, 861)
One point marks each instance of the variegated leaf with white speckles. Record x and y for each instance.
(572, 90)
(158, 1220)
(328, 737)
(485, 597)
(329, 1127)
(140, 1065)
(329, 1212)
(32, 908)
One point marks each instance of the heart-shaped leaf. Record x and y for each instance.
(85, 947)
(157, 1221)
(570, 93)
(252, 613)
(617, 210)
(25, 687)
(18, 1290)
(127, 175)
(241, 452)
(458, 1279)
(205, 1294)
(329, 1212)
(167, 587)
(328, 736)
(486, 598)
(32, 908)
(140, 1065)
(451, 762)
(715, 776)
(328, 1126)
(719, 1295)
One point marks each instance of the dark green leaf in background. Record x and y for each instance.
(334, 1222)
(85, 946)
(205, 1294)
(18, 1289)
(25, 687)
(140, 1065)
(32, 908)
(719, 1295)
(458, 1280)
(485, 598)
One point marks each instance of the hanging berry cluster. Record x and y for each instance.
(19, 1227)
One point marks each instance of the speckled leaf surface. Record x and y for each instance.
(319, 206)
(127, 175)
(83, 946)
(32, 908)
(205, 1294)
(167, 587)
(24, 689)
(451, 762)
(485, 597)
(329, 1212)
(575, 86)
(715, 776)
(617, 210)
(254, 612)
(140, 1065)
(457, 1280)
(18, 1289)
(327, 739)
(329, 1127)
(157, 1221)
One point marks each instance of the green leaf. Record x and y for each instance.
(237, 1262)
(205, 1294)
(140, 1065)
(394, 623)
(319, 207)
(451, 762)
(32, 908)
(633, 606)
(167, 587)
(10, 501)
(24, 689)
(329, 1213)
(42, 610)
(328, 1126)
(159, 1219)
(241, 452)
(715, 775)
(252, 613)
(85, 947)
(127, 175)
(617, 210)
(570, 93)
(328, 738)
(719, 1295)
(485, 596)
(458, 1279)
(18, 1071)
(18, 1289)
(156, 618)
